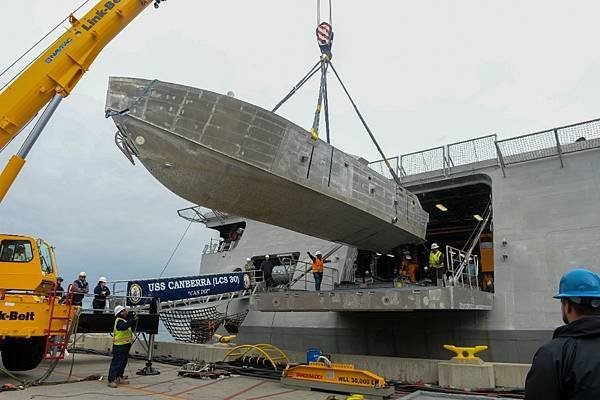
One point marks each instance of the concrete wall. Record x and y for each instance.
(392, 368)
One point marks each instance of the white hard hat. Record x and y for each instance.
(318, 253)
(408, 257)
(434, 246)
(102, 279)
(267, 256)
(82, 273)
(248, 259)
(118, 309)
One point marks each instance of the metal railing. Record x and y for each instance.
(471, 151)
(200, 215)
(219, 245)
(485, 151)
(431, 162)
(330, 280)
(380, 166)
(463, 272)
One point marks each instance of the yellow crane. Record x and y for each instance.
(34, 322)
(55, 73)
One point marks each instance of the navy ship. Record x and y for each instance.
(522, 210)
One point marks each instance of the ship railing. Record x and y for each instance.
(331, 277)
(112, 301)
(202, 215)
(463, 268)
(119, 295)
(302, 274)
(487, 151)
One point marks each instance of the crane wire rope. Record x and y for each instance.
(34, 46)
(175, 249)
(366, 126)
(319, 13)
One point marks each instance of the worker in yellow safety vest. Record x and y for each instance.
(122, 340)
(318, 265)
(436, 265)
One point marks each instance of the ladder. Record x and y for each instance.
(58, 339)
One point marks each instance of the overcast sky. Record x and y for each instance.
(424, 73)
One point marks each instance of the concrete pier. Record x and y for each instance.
(391, 368)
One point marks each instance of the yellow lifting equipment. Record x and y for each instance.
(336, 377)
(270, 353)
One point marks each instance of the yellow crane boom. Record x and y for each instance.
(56, 72)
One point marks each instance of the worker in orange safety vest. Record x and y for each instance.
(318, 265)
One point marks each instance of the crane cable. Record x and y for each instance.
(34, 46)
(319, 13)
(366, 126)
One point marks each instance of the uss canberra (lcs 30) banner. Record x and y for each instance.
(169, 289)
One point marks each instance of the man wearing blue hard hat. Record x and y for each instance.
(568, 367)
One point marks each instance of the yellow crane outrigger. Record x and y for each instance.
(55, 73)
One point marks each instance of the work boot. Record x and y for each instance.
(112, 384)
(122, 381)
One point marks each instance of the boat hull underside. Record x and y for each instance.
(214, 180)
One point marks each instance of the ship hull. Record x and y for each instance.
(292, 181)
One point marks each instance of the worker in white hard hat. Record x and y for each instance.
(250, 269)
(318, 265)
(436, 265)
(122, 340)
(101, 293)
(79, 288)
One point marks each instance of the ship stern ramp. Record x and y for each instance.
(429, 298)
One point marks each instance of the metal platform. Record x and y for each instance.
(225, 154)
(380, 300)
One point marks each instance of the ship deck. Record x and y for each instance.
(427, 298)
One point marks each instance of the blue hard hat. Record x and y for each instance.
(579, 282)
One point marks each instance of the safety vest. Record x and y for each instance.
(317, 265)
(122, 337)
(435, 259)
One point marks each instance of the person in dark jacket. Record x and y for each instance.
(60, 291)
(267, 269)
(568, 367)
(80, 288)
(122, 339)
(101, 292)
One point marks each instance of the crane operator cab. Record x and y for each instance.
(31, 315)
(27, 264)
